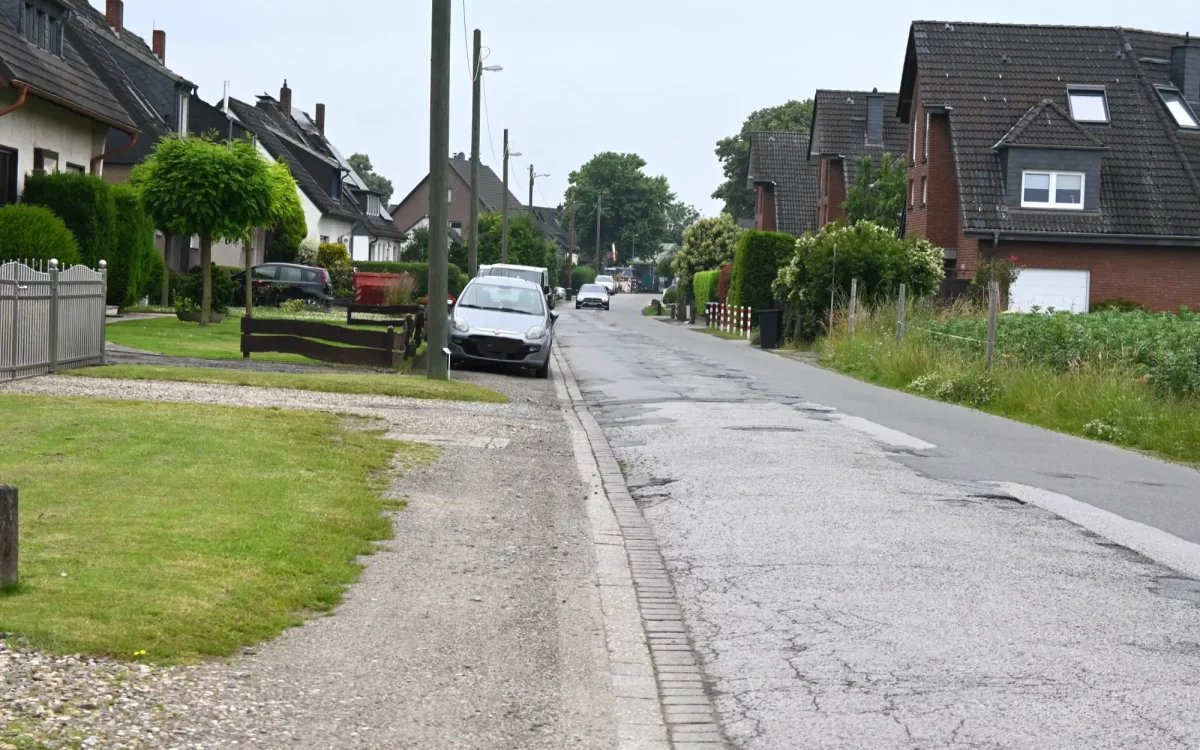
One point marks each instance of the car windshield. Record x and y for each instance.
(534, 277)
(593, 289)
(603, 279)
(502, 298)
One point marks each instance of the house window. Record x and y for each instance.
(324, 239)
(924, 190)
(336, 190)
(76, 168)
(183, 113)
(456, 225)
(927, 115)
(1052, 190)
(1178, 107)
(45, 161)
(8, 176)
(41, 28)
(1088, 104)
(915, 127)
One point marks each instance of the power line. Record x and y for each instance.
(467, 43)
(488, 117)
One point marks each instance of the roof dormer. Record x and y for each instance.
(1050, 161)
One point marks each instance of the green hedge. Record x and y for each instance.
(456, 279)
(755, 267)
(85, 204)
(134, 255)
(34, 233)
(704, 284)
(191, 286)
(582, 275)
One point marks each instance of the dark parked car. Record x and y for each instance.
(278, 282)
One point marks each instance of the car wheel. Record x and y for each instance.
(543, 372)
(577, 306)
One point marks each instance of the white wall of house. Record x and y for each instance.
(334, 229)
(233, 254)
(39, 124)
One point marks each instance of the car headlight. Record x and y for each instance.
(460, 325)
(536, 333)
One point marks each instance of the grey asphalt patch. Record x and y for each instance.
(839, 599)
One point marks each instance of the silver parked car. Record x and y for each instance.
(503, 321)
(592, 295)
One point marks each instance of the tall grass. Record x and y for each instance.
(1103, 397)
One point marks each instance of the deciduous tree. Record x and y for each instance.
(634, 213)
(877, 195)
(734, 151)
(377, 182)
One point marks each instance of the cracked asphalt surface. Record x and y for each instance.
(840, 597)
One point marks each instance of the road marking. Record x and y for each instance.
(1156, 544)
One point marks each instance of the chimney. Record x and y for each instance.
(1185, 68)
(875, 118)
(321, 119)
(160, 45)
(285, 99)
(114, 14)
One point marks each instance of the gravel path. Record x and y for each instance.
(478, 626)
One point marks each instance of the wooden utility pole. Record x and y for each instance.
(532, 178)
(439, 209)
(504, 204)
(901, 312)
(599, 211)
(571, 240)
(853, 304)
(8, 535)
(477, 83)
(993, 311)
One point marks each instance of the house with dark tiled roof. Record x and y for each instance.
(1074, 149)
(55, 111)
(413, 210)
(338, 205)
(846, 126)
(784, 182)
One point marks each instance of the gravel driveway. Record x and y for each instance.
(478, 626)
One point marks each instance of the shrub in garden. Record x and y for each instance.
(582, 275)
(669, 296)
(456, 279)
(292, 306)
(1118, 304)
(401, 289)
(755, 267)
(867, 252)
(335, 258)
(704, 285)
(223, 287)
(85, 204)
(724, 283)
(708, 244)
(134, 254)
(35, 233)
(307, 254)
(153, 271)
(1004, 270)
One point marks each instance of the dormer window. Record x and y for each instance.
(1088, 104)
(1052, 190)
(1178, 107)
(42, 29)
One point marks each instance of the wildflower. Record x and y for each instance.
(141, 652)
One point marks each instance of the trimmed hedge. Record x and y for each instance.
(455, 278)
(134, 254)
(35, 233)
(85, 204)
(581, 275)
(755, 267)
(704, 284)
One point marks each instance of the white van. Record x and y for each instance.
(539, 276)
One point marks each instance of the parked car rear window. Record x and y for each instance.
(311, 275)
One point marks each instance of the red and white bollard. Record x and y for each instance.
(749, 322)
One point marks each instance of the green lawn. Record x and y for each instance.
(184, 530)
(174, 337)
(373, 384)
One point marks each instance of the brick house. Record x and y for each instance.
(784, 181)
(414, 209)
(1073, 149)
(847, 125)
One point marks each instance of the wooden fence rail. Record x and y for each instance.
(326, 342)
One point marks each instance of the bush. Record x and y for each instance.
(307, 254)
(867, 252)
(1004, 270)
(455, 278)
(669, 296)
(191, 287)
(292, 306)
(34, 233)
(724, 282)
(582, 275)
(1118, 304)
(704, 284)
(970, 389)
(653, 309)
(335, 258)
(400, 290)
(707, 244)
(755, 267)
(134, 254)
(85, 204)
(153, 272)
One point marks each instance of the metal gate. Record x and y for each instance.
(50, 319)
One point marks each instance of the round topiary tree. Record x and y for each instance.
(35, 233)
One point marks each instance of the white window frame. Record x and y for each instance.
(924, 191)
(916, 127)
(1054, 175)
(927, 117)
(1089, 91)
(912, 193)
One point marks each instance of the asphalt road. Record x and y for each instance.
(850, 580)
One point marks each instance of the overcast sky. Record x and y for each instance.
(663, 78)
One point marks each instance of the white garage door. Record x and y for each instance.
(1050, 287)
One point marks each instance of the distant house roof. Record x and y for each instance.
(782, 160)
(491, 187)
(839, 128)
(550, 221)
(68, 80)
(994, 80)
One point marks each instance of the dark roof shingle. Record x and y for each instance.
(782, 159)
(491, 187)
(840, 128)
(993, 75)
(1046, 124)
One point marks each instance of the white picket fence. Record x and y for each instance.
(50, 319)
(730, 318)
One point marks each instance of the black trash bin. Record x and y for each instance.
(770, 328)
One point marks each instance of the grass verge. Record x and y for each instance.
(1107, 402)
(174, 337)
(369, 384)
(728, 335)
(168, 532)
